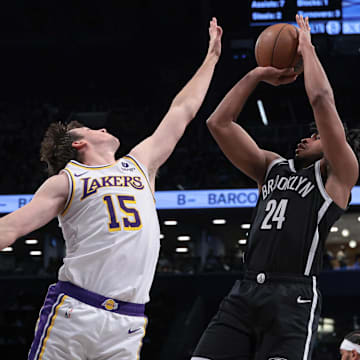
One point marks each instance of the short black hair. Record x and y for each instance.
(354, 337)
(352, 137)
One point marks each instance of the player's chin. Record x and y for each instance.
(298, 154)
(301, 154)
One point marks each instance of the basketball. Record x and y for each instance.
(277, 46)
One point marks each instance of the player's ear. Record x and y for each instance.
(78, 144)
(354, 355)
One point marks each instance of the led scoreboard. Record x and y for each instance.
(330, 17)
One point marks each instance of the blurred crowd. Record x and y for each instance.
(201, 257)
(22, 129)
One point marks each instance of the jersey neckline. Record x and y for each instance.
(90, 167)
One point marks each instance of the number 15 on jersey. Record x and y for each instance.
(131, 218)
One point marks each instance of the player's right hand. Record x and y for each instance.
(276, 77)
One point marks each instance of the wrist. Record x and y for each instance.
(257, 73)
(307, 46)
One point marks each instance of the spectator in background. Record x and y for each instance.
(327, 260)
(341, 258)
(350, 346)
(356, 265)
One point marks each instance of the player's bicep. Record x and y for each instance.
(46, 204)
(155, 150)
(241, 150)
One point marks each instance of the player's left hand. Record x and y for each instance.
(276, 77)
(215, 32)
(304, 32)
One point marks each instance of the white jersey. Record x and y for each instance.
(111, 230)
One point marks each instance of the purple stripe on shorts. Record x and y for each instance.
(99, 301)
(46, 313)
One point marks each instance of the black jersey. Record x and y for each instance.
(292, 219)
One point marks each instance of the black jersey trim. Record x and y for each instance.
(271, 165)
(322, 189)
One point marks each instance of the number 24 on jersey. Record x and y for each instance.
(275, 214)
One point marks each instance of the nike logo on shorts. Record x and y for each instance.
(299, 300)
(132, 331)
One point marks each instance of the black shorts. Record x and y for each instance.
(264, 317)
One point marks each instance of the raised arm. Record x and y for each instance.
(233, 140)
(341, 160)
(156, 149)
(48, 201)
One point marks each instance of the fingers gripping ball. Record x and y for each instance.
(277, 46)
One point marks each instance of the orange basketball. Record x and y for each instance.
(277, 46)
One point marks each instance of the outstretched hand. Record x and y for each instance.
(215, 32)
(276, 77)
(304, 32)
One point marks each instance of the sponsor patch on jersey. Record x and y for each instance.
(110, 304)
(127, 167)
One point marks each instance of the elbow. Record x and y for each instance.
(187, 106)
(7, 237)
(321, 97)
(6, 241)
(210, 123)
(214, 122)
(183, 110)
